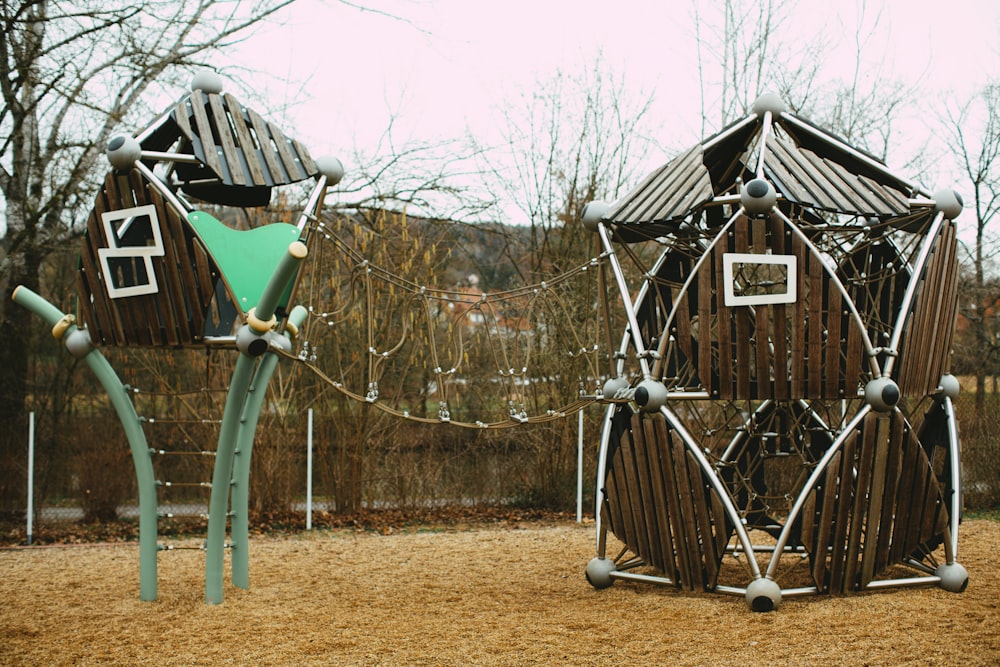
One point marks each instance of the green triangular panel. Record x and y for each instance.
(246, 258)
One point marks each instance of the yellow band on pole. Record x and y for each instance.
(258, 325)
(60, 327)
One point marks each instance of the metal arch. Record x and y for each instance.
(836, 282)
(917, 270)
(810, 484)
(717, 485)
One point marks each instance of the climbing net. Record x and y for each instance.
(453, 354)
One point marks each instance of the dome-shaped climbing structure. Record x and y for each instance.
(797, 325)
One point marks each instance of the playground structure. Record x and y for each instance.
(783, 370)
(156, 272)
(791, 428)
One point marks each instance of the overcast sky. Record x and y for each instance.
(449, 64)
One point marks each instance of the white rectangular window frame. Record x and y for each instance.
(731, 259)
(147, 253)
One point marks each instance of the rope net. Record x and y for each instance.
(454, 354)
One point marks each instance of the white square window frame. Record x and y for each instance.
(108, 218)
(731, 259)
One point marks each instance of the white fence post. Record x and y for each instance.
(309, 471)
(31, 472)
(579, 468)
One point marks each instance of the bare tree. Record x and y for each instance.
(974, 135)
(71, 75)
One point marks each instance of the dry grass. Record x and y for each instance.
(482, 596)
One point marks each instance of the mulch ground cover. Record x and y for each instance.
(506, 590)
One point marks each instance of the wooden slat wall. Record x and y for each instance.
(175, 316)
(807, 349)
(926, 345)
(659, 504)
(877, 502)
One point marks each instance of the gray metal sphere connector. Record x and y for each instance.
(757, 197)
(651, 395)
(207, 81)
(78, 343)
(613, 386)
(330, 167)
(123, 151)
(599, 572)
(948, 202)
(769, 102)
(882, 394)
(954, 577)
(593, 213)
(950, 386)
(763, 595)
(251, 343)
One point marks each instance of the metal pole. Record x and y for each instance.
(579, 468)
(31, 471)
(309, 471)
(122, 403)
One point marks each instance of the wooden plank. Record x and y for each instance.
(779, 240)
(682, 323)
(647, 516)
(809, 182)
(709, 557)
(612, 504)
(656, 438)
(824, 527)
(232, 158)
(105, 320)
(762, 317)
(626, 526)
(686, 498)
(705, 298)
(893, 465)
(876, 503)
(904, 504)
(742, 359)
(672, 493)
(921, 475)
(798, 323)
(843, 518)
(814, 345)
(833, 386)
(288, 159)
(724, 321)
(247, 148)
(268, 149)
(872, 435)
(639, 542)
(204, 131)
(175, 261)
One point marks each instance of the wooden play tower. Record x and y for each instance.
(157, 272)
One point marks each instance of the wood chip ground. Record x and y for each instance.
(512, 595)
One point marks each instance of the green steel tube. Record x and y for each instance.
(240, 523)
(240, 395)
(240, 553)
(133, 432)
(284, 272)
(218, 505)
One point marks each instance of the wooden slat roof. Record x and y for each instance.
(805, 165)
(238, 146)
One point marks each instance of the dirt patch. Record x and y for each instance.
(504, 595)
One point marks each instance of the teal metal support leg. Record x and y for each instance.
(78, 343)
(218, 507)
(240, 554)
(239, 421)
